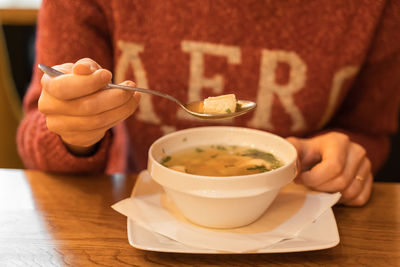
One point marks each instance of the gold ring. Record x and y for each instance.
(359, 178)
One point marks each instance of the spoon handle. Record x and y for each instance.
(142, 90)
(54, 73)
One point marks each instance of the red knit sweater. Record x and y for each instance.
(311, 66)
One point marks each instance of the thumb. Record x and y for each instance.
(297, 143)
(85, 66)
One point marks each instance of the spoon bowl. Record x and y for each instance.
(193, 108)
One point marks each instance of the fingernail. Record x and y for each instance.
(92, 68)
(105, 76)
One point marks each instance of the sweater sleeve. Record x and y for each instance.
(67, 31)
(369, 114)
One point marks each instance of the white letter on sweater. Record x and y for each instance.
(268, 88)
(130, 56)
(337, 83)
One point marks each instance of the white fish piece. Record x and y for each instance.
(220, 104)
(256, 162)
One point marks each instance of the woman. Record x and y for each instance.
(325, 73)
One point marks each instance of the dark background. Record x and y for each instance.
(20, 43)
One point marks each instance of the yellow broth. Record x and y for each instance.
(221, 160)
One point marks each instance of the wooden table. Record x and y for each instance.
(54, 220)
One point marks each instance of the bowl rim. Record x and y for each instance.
(223, 178)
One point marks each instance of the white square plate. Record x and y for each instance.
(320, 234)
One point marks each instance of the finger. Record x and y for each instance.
(46, 79)
(69, 86)
(85, 66)
(365, 194)
(61, 123)
(333, 160)
(297, 179)
(308, 155)
(355, 157)
(297, 143)
(64, 68)
(93, 104)
(358, 181)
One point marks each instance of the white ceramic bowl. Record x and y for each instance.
(222, 202)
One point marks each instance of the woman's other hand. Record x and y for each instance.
(331, 162)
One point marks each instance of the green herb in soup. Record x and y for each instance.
(221, 160)
(165, 160)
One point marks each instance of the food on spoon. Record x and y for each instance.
(220, 104)
(221, 160)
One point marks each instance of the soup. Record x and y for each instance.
(221, 160)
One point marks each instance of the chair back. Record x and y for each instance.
(10, 112)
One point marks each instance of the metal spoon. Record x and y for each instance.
(193, 108)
